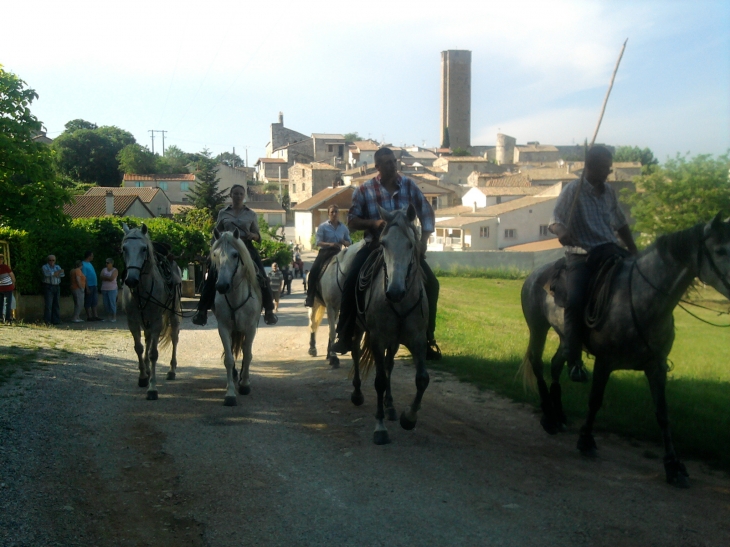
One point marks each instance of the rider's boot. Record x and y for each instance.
(433, 352)
(200, 318)
(270, 317)
(343, 342)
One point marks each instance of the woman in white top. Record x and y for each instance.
(109, 289)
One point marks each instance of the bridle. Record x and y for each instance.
(231, 308)
(409, 278)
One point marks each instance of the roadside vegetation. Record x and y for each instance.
(483, 336)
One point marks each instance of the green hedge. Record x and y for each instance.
(101, 235)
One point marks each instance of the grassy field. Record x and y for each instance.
(483, 335)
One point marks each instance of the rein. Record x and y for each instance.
(408, 277)
(250, 294)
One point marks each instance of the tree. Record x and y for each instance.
(634, 153)
(137, 159)
(680, 194)
(78, 123)
(31, 196)
(460, 152)
(206, 195)
(175, 161)
(90, 155)
(352, 137)
(230, 159)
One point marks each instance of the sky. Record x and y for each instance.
(216, 74)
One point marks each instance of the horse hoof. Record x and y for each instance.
(677, 474)
(587, 445)
(143, 382)
(381, 437)
(171, 375)
(549, 425)
(230, 401)
(578, 374)
(312, 352)
(335, 361)
(357, 398)
(405, 423)
(151, 395)
(244, 390)
(391, 415)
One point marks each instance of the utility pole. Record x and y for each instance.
(280, 184)
(152, 133)
(163, 141)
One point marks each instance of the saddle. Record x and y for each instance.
(166, 265)
(603, 263)
(328, 254)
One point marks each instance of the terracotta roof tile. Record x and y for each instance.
(341, 196)
(146, 194)
(95, 206)
(178, 176)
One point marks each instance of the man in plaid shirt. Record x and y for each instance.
(390, 191)
(586, 216)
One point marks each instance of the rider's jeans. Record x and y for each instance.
(578, 278)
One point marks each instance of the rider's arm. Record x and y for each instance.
(625, 234)
(356, 223)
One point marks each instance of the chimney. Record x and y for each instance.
(109, 202)
(474, 207)
(281, 118)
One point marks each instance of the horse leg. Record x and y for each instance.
(244, 383)
(144, 376)
(357, 397)
(586, 442)
(332, 315)
(409, 416)
(229, 362)
(675, 470)
(174, 337)
(380, 435)
(153, 355)
(389, 362)
(556, 398)
(549, 421)
(314, 321)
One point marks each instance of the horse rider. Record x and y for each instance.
(332, 235)
(586, 215)
(237, 215)
(391, 191)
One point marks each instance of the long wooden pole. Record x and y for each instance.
(608, 93)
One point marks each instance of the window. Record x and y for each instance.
(543, 230)
(460, 167)
(162, 185)
(434, 202)
(184, 199)
(510, 233)
(184, 186)
(293, 188)
(499, 200)
(329, 148)
(139, 184)
(304, 187)
(340, 150)
(483, 231)
(302, 172)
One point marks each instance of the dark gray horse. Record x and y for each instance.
(638, 330)
(396, 312)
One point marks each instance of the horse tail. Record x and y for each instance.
(529, 380)
(317, 316)
(237, 339)
(366, 356)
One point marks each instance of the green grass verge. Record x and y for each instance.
(24, 347)
(483, 336)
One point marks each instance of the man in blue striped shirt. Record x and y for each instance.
(587, 215)
(332, 235)
(390, 191)
(52, 274)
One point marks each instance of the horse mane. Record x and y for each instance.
(678, 245)
(249, 268)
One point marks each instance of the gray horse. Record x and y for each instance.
(395, 312)
(152, 305)
(638, 330)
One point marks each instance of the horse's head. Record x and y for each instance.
(714, 259)
(400, 250)
(137, 252)
(227, 254)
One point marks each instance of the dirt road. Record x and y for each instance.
(86, 460)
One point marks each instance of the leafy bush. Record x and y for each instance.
(274, 251)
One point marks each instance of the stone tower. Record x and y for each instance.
(505, 149)
(456, 99)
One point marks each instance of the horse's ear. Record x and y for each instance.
(411, 213)
(125, 227)
(385, 215)
(236, 233)
(216, 234)
(220, 226)
(144, 228)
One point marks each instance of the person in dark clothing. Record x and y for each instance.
(332, 235)
(237, 215)
(390, 191)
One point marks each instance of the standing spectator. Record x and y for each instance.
(78, 286)
(288, 276)
(7, 286)
(91, 294)
(276, 280)
(109, 289)
(52, 274)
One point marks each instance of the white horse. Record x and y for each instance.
(329, 298)
(152, 304)
(237, 307)
(395, 312)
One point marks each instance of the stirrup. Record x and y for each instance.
(342, 345)
(270, 317)
(433, 351)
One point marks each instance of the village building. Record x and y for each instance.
(309, 214)
(362, 153)
(456, 169)
(271, 170)
(307, 179)
(154, 199)
(107, 205)
(175, 186)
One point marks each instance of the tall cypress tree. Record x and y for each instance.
(205, 194)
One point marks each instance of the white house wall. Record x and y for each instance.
(303, 228)
(526, 222)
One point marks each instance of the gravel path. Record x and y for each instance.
(86, 460)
